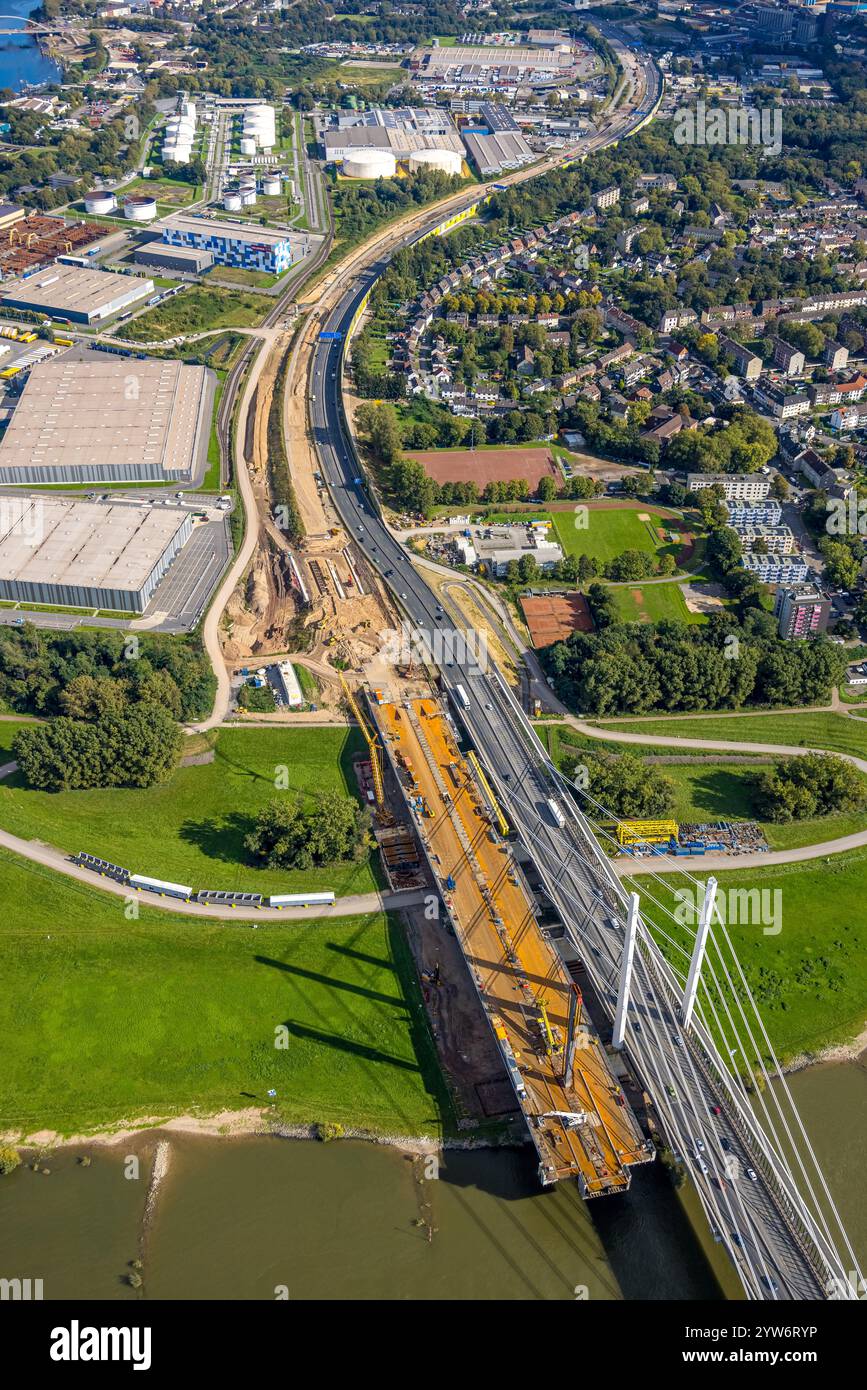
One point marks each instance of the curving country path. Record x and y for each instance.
(354, 905)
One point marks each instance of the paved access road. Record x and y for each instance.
(756, 1218)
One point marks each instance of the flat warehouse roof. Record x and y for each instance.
(490, 57)
(106, 412)
(74, 288)
(500, 150)
(54, 540)
(399, 142)
(163, 248)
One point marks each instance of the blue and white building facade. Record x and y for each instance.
(231, 243)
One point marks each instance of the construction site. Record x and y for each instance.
(312, 594)
(446, 828)
(641, 837)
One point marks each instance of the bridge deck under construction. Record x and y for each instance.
(581, 1125)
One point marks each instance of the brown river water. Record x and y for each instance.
(259, 1218)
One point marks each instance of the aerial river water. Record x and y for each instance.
(21, 62)
(242, 1218)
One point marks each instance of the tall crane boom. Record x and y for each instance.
(372, 742)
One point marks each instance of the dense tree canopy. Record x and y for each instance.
(87, 675)
(816, 784)
(136, 747)
(290, 834)
(634, 668)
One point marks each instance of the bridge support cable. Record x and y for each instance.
(689, 1085)
(607, 876)
(776, 1083)
(822, 1239)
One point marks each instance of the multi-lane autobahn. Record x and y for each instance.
(754, 1204)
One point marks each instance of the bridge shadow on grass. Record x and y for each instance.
(352, 1049)
(330, 982)
(378, 961)
(726, 794)
(345, 997)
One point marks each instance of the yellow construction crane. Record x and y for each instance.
(551, 1045)
(372, 740)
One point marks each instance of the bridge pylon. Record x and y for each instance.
(698, 951)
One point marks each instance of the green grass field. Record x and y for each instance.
(818, 729)
(810, 980)
(610, 531)
(707, 790)
(723, 791)
(195, 310)
(653, 603)
(237, 275)
(169, 192)
(212, 478)
(106, 1020)
(191, 829)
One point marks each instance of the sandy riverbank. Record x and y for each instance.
(230, 1124)
(842, 1052)
(252, 1121)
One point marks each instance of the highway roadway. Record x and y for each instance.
(752, 1202)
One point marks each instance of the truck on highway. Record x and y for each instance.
(462, 697)
(559, 818)
(509, 1058)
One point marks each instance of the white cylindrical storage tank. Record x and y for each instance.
(248, 197)
(369, 164)
(272, 185)
(99, 200)
(140, 208)
(248, 145)
(448, 161)
(231, 202)
(260, 124)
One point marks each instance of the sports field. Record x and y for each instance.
(604, 531)
(486, 465)
(653, 603)
(552, 617)
(191, 829)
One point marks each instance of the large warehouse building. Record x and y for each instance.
(399, 132)
(485, 68)
(90, 555)
(76, 293)
(187, 260)
(101, 419)
(231, 243)
(491, 154)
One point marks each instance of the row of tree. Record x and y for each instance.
(86, 675)
(133, 747)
